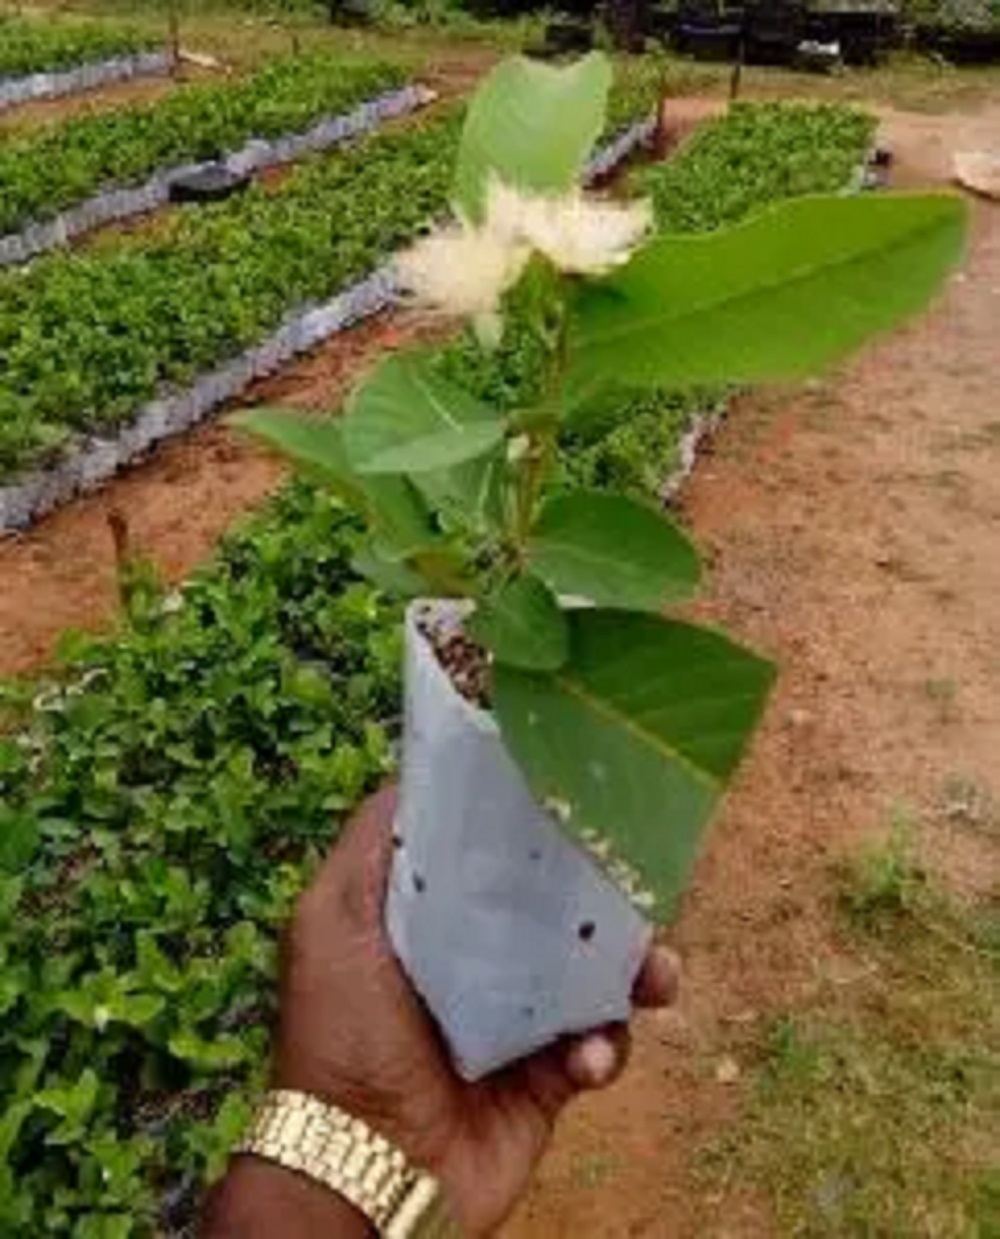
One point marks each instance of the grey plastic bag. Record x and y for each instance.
(509, 931)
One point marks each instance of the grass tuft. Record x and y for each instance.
(876, 1110)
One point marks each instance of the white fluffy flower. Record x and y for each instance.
(466, 270)
(577, 234)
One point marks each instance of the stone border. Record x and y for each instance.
(124, 203)
(95, 459)
(15, 90)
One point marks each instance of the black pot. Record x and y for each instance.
(209, 184)
(716, 42)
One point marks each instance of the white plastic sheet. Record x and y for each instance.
(93, 459)
(509, 931)
(124, 202)
(14, 90)
(97, 458)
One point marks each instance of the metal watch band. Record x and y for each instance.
(324, 1143)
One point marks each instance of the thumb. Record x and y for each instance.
(553, 1077)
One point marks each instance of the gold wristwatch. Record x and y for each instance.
(320, 1141)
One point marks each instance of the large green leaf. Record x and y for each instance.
(523, 626)
(635, 738)
(779, 297)
(407, 418)
(470, 496)
(391, 504)
(533, 125)
(612, 551)
(387, 572)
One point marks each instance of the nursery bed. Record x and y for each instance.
(92, 459)
(75, 177)
(45, 61)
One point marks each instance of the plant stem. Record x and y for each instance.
(542, 434)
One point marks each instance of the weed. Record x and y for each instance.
(885, 879)
(876, 1112)
(943, 696)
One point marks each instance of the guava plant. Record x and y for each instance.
(626, 720)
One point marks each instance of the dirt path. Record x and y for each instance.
(110, 98)
(61, 574)
(854, 531)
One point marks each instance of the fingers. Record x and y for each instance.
(364, 850)
(556, 1075)
(348, 892)
(658, 980)
(596, 1060)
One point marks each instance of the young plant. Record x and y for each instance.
(627, 722)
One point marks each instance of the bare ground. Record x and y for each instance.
(854, 531)
(61, 574)
(110, 98)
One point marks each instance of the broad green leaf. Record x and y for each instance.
(222, 1053)
(779, 297)
(388, 574)
(635, 738)
(74, 1104)
(533, 125)
(469, 496)
(11, 1122)
(439, 572)
(390, 504)
(613, 551)
(315, 443)
(407, 418)
(19, 837)
(523, 626)
(399, 516)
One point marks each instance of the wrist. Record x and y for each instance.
(259, 1199)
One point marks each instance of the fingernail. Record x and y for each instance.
(598, 1060)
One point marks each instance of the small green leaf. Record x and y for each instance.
(469, 496)
(74, 1104)
(408, 418)
(779, 297)
(11, 1121)
(613, 551)
(390, 504)
(635, 738)
(138, 1010)
(523, 626)
(533, 125)
(222, 1053)
(19, 837)
(390, 575)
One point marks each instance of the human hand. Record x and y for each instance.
(353, 1033)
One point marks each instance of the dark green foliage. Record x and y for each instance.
(639, 453)
(958, 16)
(34, 46)
(88, 337)
(177, 800)
(41, 175)
(758, 154)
